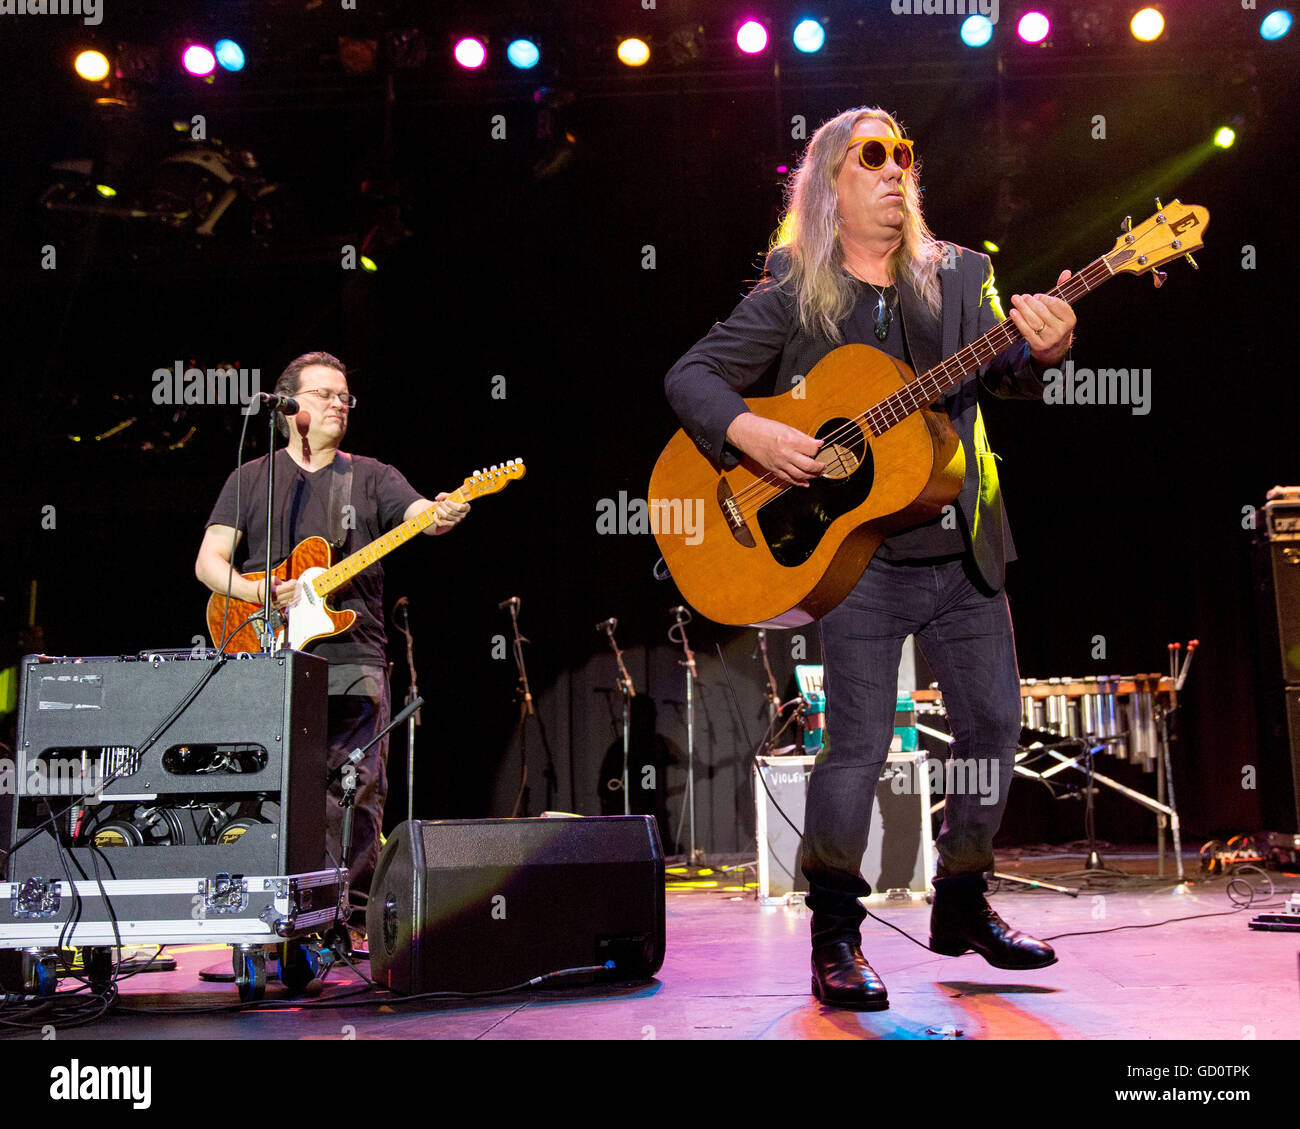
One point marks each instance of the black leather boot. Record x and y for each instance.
(843, 978)
(961, 919)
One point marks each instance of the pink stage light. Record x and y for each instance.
(470, 53)
(198, 60)
(752, 37)
(1033, 27)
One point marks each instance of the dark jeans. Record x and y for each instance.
(353, 720)
(965, 636)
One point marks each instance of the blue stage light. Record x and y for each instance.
(229, 54)
(809, 36)
(523, 53)
(976, 31)
(1276, 24)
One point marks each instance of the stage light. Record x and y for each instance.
(198, 60)
(106, 191)
(1147, 25)
(1033, 27)
(230, 55)
(809, 36)
(1225, 137)
(470, 53)
(991, 247)
(752, 37)
(368, 264)
(1276, 24)
(92, 66)
(633, 52)
(976, 31)
(523, 53)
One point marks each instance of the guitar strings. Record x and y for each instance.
(751, 498)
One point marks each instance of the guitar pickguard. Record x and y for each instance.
(794, 522)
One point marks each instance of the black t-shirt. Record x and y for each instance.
(929, 539)
(380, 496)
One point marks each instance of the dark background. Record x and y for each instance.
(523, 257)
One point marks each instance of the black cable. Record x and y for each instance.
(234, 540)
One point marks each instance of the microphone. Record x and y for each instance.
(277, 403)
(512, 603)
(607, 624)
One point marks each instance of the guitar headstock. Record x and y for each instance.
(1174, 231)
(493, 479)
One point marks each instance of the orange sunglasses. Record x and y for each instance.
(875, 152)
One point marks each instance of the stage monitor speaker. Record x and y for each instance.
(473, 905)
(1282, 577)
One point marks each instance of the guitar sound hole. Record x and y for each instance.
(794, 522)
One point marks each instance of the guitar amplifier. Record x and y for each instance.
(168, 766)
(900, 852)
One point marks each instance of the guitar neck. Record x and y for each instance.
(363, 558)
(936, 382)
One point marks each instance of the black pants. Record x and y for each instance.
(353, 720)
(965, 635)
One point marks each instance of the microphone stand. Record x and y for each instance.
(524, 696)
(683, 617)
(412, 693)
(770, 694)
(629, 692)
(267, 635)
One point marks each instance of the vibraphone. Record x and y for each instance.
(1069, 719)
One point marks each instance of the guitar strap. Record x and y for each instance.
(341, 500)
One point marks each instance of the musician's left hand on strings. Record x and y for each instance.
(1047, 323)
(450, 514)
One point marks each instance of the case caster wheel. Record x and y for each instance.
(99, 967)
(300, 964)
(40, 974)
(250, 972)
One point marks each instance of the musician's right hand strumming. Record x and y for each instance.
(783, 450)
(284, 593)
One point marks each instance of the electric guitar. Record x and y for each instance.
(310, 618)
(763, 553)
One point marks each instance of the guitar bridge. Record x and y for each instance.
(731, 511)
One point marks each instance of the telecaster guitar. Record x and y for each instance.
(310, 618)
(776, 556)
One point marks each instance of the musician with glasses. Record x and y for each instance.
(349, 500)
(855, 263)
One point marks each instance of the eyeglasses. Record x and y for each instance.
(326, 395)
(875, 151)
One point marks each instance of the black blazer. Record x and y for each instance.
(762, 337)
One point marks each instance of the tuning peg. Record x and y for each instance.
(1159, 206)
(1158, 277)
(1191, 261)
(1126, 226)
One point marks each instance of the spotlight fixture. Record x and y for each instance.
(470, 53)
(1034, 27)
(92, 66)
(751, 37)
(809, 36)
(198, 60)
(633, 52)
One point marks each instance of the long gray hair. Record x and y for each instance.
(809, 230)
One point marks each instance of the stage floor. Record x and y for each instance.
(738, 970)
